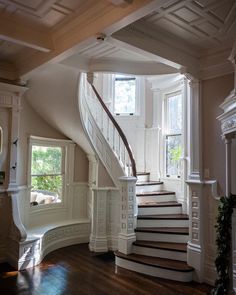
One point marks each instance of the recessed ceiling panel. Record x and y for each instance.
(186, 14)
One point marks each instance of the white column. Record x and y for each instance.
(128, 214)
(98, 238)
(195, 119)
(195, 254)
(93, 170)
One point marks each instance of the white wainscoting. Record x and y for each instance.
(47, 228)
(210, 211)
(43, 240)
(105, 219)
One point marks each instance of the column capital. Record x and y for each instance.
(191, 79)
(90, 77)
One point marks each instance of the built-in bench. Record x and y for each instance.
(47, 238)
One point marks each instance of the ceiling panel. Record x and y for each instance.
(8, 50)
(47, 13)
(204, 23)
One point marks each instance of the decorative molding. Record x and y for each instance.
(44, 240)
(105, 220)
(229, 125)
(128, 214)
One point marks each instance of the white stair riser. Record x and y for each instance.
(149, 188)
(159, 210)
(160, 198)
(154, 271)
(175, 255)
(162, 223)
(143, 177)
(162, 237)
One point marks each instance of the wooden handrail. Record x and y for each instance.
(121, 133)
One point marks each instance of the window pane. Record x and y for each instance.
(174, 113)
(124, 95)
(46, 189)
(46, 160)
(46, 175)
(173, 154)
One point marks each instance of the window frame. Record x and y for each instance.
(137, 96)
(67, 169)
(166, 128)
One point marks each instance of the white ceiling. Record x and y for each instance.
(46, 13)
(109, 55)
(196, 27)
(202, 23)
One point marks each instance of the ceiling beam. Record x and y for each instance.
(130, 67)
(101, 17)
(142, 37)
(18, 32)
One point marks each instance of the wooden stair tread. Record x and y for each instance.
(163, 263)
(164, 230)
(139, 183)
(180, 247)
(143, 173)
(155, 193)
(159, 204)
(165, 216)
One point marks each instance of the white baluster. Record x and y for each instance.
(113, 138)
(108, 129)
(119, 148)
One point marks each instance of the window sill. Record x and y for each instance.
(47, 207)
(171, 178)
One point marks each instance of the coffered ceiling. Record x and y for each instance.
(202, 23)
(160, 33)
(46, 13)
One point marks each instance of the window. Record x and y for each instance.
(173, 133)
(125, 95)
(47, 170)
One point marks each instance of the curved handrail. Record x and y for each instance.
(119, 130)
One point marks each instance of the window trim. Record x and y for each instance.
(166, 133)
(67, 169)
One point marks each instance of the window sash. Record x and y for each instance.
(169, 162)
(133, 106)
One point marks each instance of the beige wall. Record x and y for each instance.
(104, 179)
(81, 169)
(32, 124)
(214, 92)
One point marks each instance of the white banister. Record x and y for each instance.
(112, 131)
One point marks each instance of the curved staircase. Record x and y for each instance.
(162, 233)
(157, 246)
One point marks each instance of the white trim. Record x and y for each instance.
(68, 147)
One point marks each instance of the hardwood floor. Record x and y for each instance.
(76, 271)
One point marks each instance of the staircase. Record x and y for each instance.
(162, 230)
(162, 233)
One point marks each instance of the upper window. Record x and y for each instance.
(125, 94)
(173, 138)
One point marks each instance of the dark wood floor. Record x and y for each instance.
(75, 271)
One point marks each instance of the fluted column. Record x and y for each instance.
(195, 254)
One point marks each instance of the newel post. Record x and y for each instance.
(128, 214)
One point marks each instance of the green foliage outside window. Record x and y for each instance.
(46, 169)
(175, 154)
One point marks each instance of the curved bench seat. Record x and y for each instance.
(47, 238)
